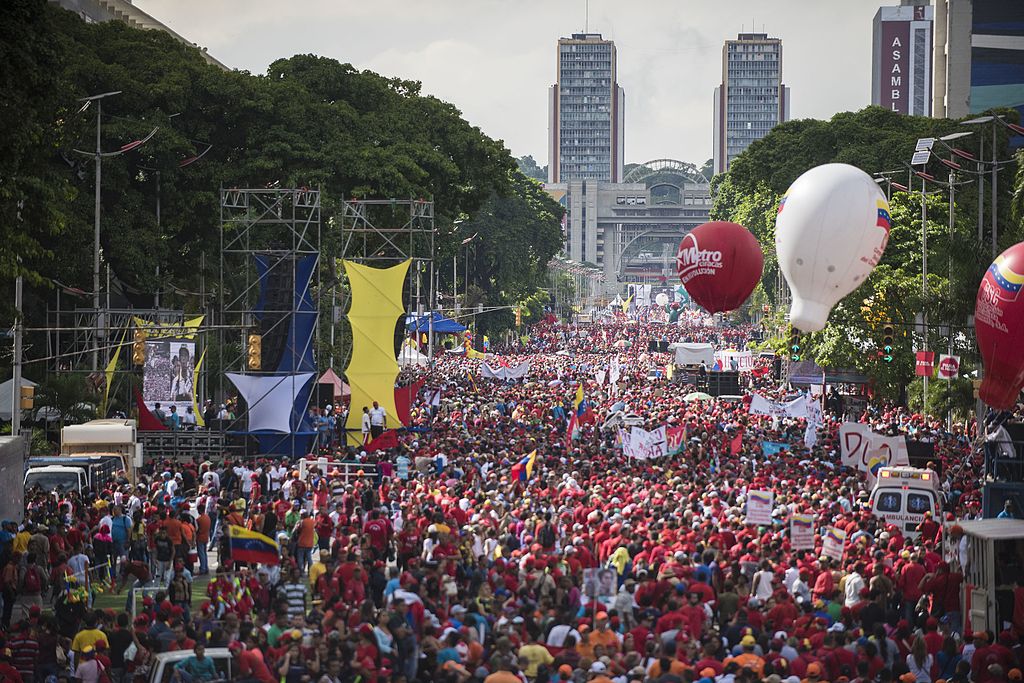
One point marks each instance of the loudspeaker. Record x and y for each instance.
(652, 346)
(723, 383)
(663, 346)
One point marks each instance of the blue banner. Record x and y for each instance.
(773, 447)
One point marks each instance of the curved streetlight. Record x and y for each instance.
(98, 154)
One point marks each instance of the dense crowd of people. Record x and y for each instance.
(494, 544)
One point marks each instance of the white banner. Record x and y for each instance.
(518, 372)
(833, 543)
(744, 360)
(863, 449)
(759, 405)
(642, 444)
(615, 371)
(599, 376)
(759, 507)
(801, 532)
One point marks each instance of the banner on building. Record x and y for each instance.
(833, 543)
(759, 507)
(801, 532)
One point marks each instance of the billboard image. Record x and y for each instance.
(167, 375)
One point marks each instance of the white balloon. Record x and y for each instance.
(830, 233)
(661, 299)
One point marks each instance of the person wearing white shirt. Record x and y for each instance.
(854, 584)
(378, 420)
(277, 476)
(211, 478)
(244, 475)
(365, 428)
(792, 574)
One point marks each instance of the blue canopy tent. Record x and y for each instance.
(442, 325)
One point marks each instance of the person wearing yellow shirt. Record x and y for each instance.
(20, 543)
(88, 636)
(535, 654)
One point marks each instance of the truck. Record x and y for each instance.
(90, 453)
(991, 555)
(72, 472)
(103, 436)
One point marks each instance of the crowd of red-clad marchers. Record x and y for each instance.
(439, 562)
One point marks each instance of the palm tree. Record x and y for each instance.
(68, 395)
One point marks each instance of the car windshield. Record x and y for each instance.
(50, 481)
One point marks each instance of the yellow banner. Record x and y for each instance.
(155, 330)
(109, 372)
(195, 391)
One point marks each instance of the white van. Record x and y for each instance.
(902, 495)
(162, 670)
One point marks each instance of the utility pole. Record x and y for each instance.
(16, 364)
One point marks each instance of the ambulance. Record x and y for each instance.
(902, 495)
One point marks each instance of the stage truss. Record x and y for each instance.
(282, 227)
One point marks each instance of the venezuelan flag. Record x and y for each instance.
(883, 220)
(249, 546)
(1009, 281)
(834, 535)
(762, 498)
(802, 522)
(523, 469)
(782, 203)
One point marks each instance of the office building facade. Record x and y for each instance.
(586, 112)
(901, 59)
(979, 56)
(751, 99)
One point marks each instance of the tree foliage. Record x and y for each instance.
(875, 140)
(308, 122)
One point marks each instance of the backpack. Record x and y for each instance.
(546, 536)
(32, 583)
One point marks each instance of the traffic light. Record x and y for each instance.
(888, 342)
(254, 352)
(795, 352)
(139, 347)
(519, 316)
(27, 397)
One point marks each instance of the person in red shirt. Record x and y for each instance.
(250, 660)
(376, 529)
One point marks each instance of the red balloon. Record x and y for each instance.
(999, 327)
(719, 264)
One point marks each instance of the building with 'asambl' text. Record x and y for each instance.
(901, 58)
(751, 99)
(586, 112)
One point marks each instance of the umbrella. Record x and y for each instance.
(697, 396)
(555, 383)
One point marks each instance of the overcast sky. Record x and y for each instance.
(494, 59)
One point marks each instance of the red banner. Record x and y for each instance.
(925, 366)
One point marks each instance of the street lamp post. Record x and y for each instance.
(98, 154)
